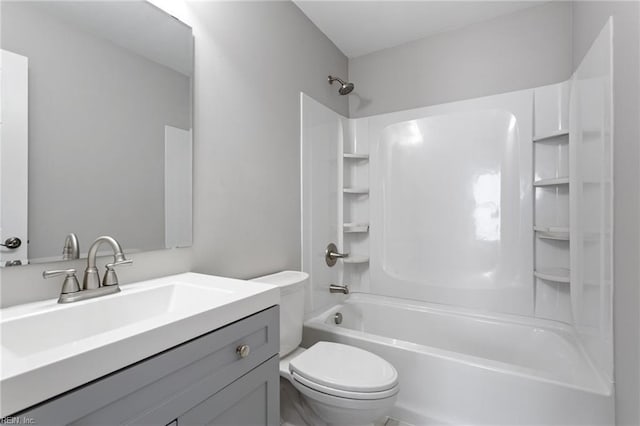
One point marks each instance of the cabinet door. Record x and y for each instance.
(253, 399)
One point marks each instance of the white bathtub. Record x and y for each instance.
(461, 367)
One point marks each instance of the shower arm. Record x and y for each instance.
(332, 79)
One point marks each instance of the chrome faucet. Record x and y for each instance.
(91, 286)
(91, 280)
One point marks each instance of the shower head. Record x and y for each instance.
(345, 88)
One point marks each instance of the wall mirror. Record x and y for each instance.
(96, 127)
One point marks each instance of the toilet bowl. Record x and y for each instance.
(342, 384)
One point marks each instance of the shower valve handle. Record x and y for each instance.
(338, 255)
(331, 254)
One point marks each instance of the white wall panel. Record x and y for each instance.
(592, 201)
(321, 151)
(451, 203)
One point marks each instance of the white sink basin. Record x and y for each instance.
(50, 328)
(48, 348)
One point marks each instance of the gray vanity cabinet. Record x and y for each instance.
(208, 380)
(247, 401)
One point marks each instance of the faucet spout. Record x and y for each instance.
(91, 278)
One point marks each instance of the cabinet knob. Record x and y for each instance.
(243, 351)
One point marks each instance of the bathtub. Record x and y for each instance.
(460, 367)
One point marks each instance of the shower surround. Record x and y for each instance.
(483, 224)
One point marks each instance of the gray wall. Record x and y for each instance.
(252, 60)
(588, 19)
(525, 49)
(96, 133)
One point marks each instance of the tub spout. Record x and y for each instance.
(335, 288)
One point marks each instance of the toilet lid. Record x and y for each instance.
(344, 367)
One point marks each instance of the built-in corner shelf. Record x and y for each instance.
(564, 180)
(558, 275)
(355, 209)
(354, 258)
(354, 156)
(356, 227)
(552, 232)
(551, 135)
(355, 190)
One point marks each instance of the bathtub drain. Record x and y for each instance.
(337, 318)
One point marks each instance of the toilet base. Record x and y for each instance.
(294, 409)
(347, 416)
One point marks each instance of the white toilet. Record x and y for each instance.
(343, 385)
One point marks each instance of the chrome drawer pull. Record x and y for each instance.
(243, 351)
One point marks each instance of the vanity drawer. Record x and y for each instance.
(169, 384)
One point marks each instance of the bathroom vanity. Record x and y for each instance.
(225, 375)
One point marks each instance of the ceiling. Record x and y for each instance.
(361, 27)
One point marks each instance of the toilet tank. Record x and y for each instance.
(292, 285)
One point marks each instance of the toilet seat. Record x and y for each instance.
(342, 393)
(344, 371)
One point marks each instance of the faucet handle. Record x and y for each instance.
(70, 284)
(119, 263)
(110, 277)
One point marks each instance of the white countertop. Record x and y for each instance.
(49, 348)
